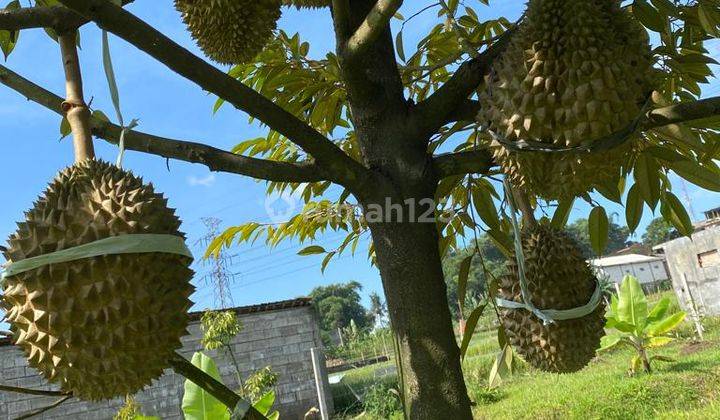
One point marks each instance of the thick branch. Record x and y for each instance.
(683, 112)
(461, 163)
(436, 110)
(183, 367)
(213, 158)
(56, 17)
(374, 24)
(127, 26)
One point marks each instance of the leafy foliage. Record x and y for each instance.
(339, 304)
(258, 385)
(637, 326)
(658, 231)
(477, 283)
(219, 328)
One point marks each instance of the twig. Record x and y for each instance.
(44, 409)
(45, 393)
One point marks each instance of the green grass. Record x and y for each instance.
(688, 388)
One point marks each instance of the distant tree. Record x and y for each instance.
(378, 309)
(659, 231)
(617, 237)
(338, 304)
(494, 261)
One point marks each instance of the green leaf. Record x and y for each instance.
(197, 404)
(646, 178)
(399, 47)
(634, 208)
(265, 403)
(312, 250)
(485, 207)
(666, 325)
(65, 128)
(653, 342)
(326, 261)
(674, 212)
(610, 341)
(697, 174)
(502, 240)
(8, 39)
(648, 15)
(599, 228)
(661, 358)
(632, 304)
(562, 213)
(500, 367)
(470, 328)
(463, 273)
(658, 311)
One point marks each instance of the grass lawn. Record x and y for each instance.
(689, 388)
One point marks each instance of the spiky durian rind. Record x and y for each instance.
(558, 278)
(308, 4)
(576, 71)
(230, 31)
(106, 326)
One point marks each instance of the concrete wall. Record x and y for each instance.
(689, 278)
(279, 338)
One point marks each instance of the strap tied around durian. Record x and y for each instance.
(547, 316)
(601, 144)
(115, 96)
(140, 243)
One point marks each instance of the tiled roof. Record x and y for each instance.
(240, 310)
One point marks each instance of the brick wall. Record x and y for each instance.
(279, 335)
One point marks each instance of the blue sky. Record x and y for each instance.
(170, 106)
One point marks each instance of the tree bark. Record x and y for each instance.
(409, 260)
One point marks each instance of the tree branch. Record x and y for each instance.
(462, 163)
(138, 33)
(183, 367)
(683, 112)
(435, 111)
(374, 24)
(40, 392)
(57, 17)
(215, 159)
(44, 409)
(480, 161)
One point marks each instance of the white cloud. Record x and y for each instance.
(207, 181)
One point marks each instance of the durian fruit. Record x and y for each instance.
(308, 4)
(574, 72)
(106, 326)
(230, 31)
(558, 278)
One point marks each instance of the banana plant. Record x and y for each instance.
(198, 404)
(636, 326)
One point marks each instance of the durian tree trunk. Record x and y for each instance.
(429, 359)
(402, 183)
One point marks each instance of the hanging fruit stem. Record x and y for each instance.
(523, 202)
(74, 107)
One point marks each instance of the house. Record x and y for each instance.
(649, 270)
(695, 265)
(277, 334)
